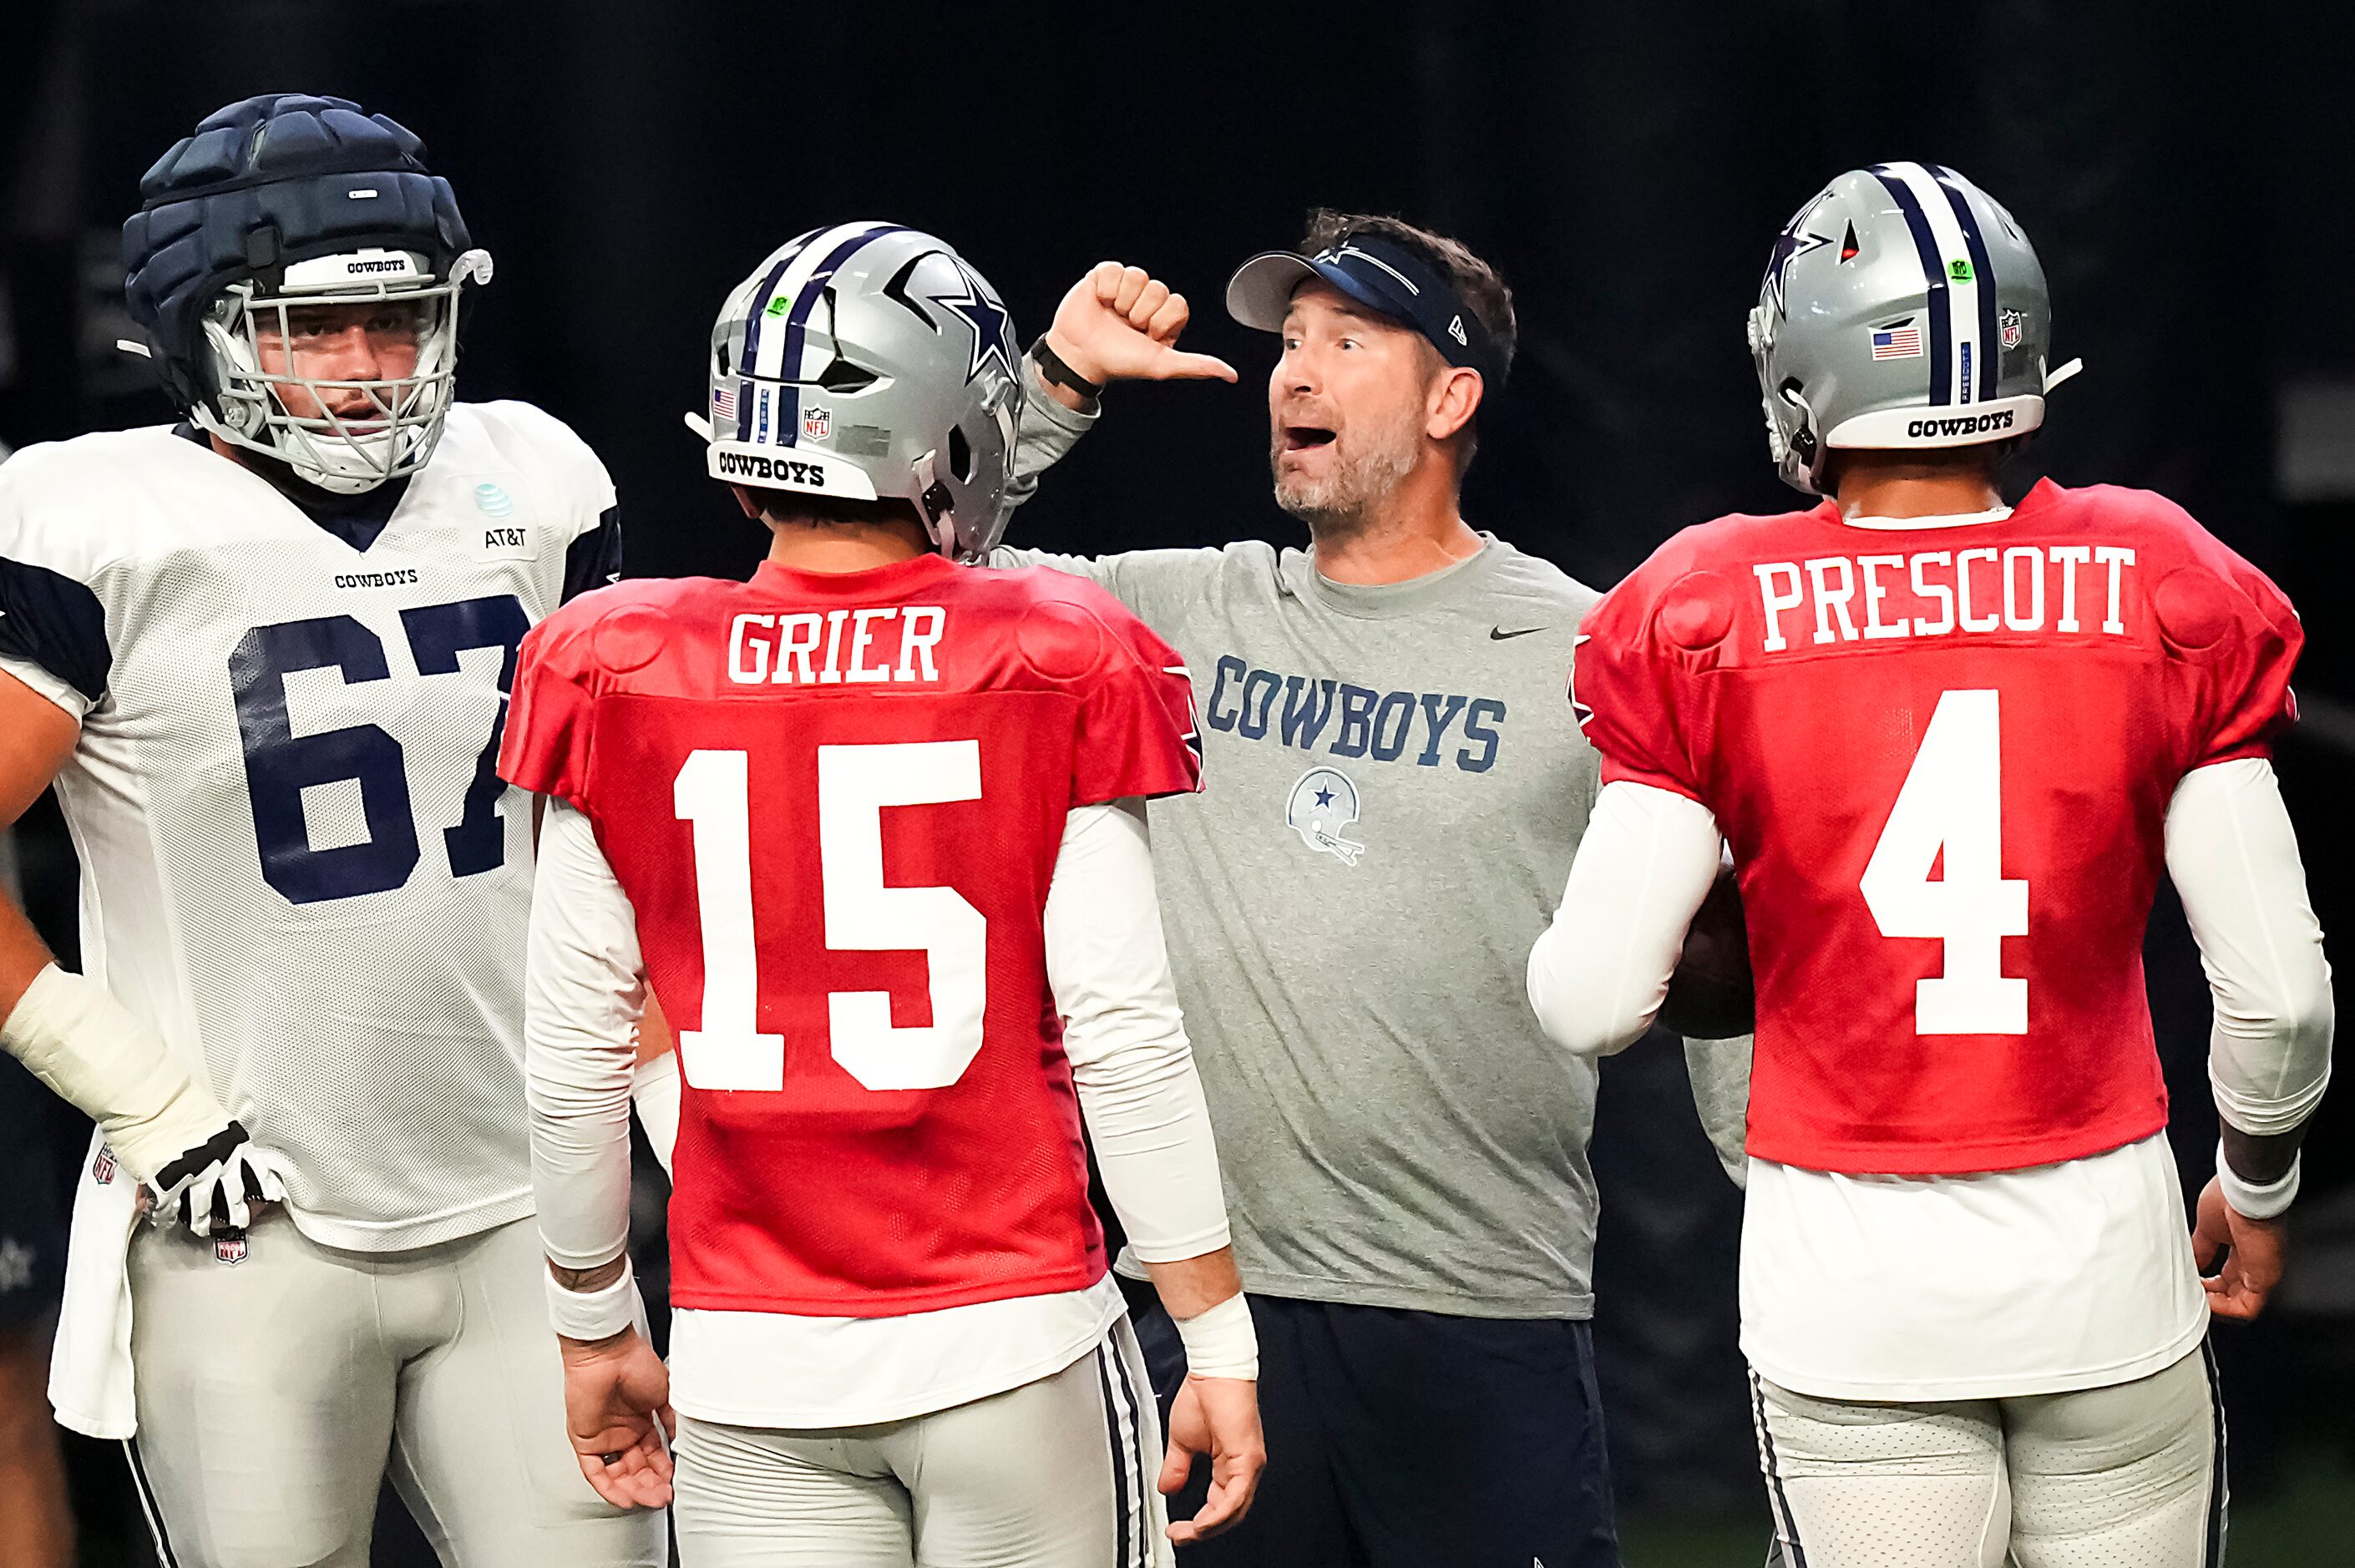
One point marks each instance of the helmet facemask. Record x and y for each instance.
(393, 434)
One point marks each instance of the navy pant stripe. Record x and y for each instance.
(147, 1505)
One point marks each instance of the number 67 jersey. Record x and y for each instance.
(297, 860)
(836, 803)
(1942, 752)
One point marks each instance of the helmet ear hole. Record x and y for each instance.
(960, 454)
(843, 376)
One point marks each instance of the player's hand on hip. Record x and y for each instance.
(2252, 1250)
(1121, 323)
(220, 1184)
(617, 1413)
(1218, 1416)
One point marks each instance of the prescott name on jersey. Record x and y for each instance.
(1944, 771)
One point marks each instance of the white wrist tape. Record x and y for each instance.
(1221, 1342)
(653, 1089)
(594, 1314)
(2251, 1201)
(114, 1069)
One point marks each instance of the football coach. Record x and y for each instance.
(1396, 785)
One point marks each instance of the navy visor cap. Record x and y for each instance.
(1382, 277)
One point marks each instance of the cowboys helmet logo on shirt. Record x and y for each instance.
(1321, 806)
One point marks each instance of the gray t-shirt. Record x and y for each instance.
(1395, 785)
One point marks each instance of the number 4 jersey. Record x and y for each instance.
(297, 860)
(1942, 759)
(836, 803)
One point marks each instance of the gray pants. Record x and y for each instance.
(2131, 1473)
(1055, 1474)
(278, 1389)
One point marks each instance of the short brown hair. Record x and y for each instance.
(1474, 279)
(800, 508)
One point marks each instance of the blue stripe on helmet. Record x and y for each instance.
(1990, 348)
(751, 349)
(797, 322)
(1942, 344)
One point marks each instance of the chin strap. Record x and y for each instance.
(2055, 377)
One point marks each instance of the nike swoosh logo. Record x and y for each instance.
(1498, 634)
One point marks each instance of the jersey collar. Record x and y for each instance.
(877, 582)
(357, 520)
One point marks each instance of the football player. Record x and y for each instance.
(873, 825)
(1953, 744)
(263, 657)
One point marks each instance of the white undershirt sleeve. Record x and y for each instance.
(584, 987)
(1126, 1040)
(1600, 971)
(2234, 857)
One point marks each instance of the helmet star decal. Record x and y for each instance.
(1794, 242)
(981, 311)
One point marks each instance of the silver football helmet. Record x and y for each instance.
(869, 361)
(1901, 308)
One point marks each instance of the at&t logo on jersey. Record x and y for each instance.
(1321, 809)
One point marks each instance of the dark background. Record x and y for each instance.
(2181, 168)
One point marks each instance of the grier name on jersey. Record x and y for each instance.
(893, 642)
(1945, 593)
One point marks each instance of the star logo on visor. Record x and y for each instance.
(987, 318)
(1794, 242)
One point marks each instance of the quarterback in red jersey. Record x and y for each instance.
(1952, 746)
(872, 823)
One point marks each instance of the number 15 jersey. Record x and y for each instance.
(836, 803)
(1942, 759)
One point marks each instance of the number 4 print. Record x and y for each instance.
(1952, 800)
(855, 783)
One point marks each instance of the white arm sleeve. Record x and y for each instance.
(2234, 858)
(653, 1089)
(583, 989)
(1599, 973)
(1125, 1039)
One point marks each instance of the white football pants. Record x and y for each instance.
(2132, 1474)
(1058, 1473)
(277, 1391)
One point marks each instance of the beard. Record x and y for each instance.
(1377, 458)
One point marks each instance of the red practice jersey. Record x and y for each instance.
(1942, 759)
(836, 802)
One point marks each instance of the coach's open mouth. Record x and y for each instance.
(1300, 437)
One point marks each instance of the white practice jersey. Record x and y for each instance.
(298, 861)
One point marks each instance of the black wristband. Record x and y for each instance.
(1051, 367)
